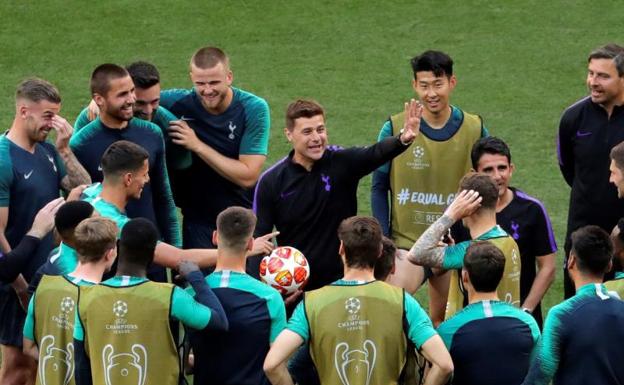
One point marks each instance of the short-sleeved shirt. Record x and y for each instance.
(29, 325)
(28, 181)
(183, 307)
(242, 129)
(256, 315)
(106, 209)
(454, 255)
(156, 201)
(580, 341)
(490, 342)
(419, 327)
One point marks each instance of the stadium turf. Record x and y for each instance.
(518, 64)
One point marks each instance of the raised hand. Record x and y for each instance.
(263, 245)
(64, 132)
(44, 220)
(411, 127)
(464, 204)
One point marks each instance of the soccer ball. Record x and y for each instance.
(285, 269)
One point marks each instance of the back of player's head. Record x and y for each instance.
(302, 108)
(235, 226)
(592, 249)
(37, 90)
(617, 155)
(209, 57)
(610, 51)
(103, 75)
(69, 216)
(437, 62)
(94, 237)
(385, 263)
(122, 157)
(488, 145)
(361, 239)
(484, 185)
(144, 75)
(485, 264)
(137, 242)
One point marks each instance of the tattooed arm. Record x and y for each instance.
(76, 174)
(427, 251)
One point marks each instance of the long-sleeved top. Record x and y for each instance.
(13, 262)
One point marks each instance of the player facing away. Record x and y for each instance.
(112, 89)
(475, 205)
(579, 343)
(227, 131)
(122, 332)
(588, 130)
(617, 237)
(359, 329)
(524, 218)
(255, 311)
(490, 341)
(308, 193)
(422, 181)
(32, 173)
(49, 326)
(146, 79)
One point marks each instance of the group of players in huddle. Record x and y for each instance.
(97, 308)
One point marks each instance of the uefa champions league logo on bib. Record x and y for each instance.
(67, 305)
(352, 305)
(120, 309)
(418, 152)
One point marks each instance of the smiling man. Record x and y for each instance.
(423, 181)
(227, 131)
(112, 89)
(588, 130)
(32, 172)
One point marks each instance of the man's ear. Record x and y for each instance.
(215, 238)
(98, 99)
(571, 262)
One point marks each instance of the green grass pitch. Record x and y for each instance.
(518, 64)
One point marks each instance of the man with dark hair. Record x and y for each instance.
(588, 130)
(63, 259)
(423, 180)
(32, 173)
(579, 343)
(617, 237)
(129, 315)
(146, 79)
(255, 310)
(227, 131)
(490, 341)
(112, 89)
(524, 218)
(48, 330)
(307, 194)
(475, 205)
(385, 264)
(358, 327)
(125, 166)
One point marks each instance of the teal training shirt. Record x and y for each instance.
(183, 307)
(29, 324)
(419, 328)
(106, 209)
(454, 255)
(64, 259)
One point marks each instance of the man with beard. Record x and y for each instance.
(31, 175)
(227, 131)
(112, 89)
(588, 130)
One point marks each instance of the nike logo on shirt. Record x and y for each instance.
(100, 168)
(580, 134)
(26, 176)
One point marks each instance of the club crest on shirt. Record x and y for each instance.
(231, 127)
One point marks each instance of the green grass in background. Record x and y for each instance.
(518, 64)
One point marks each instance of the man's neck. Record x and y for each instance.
(17, 135)
(91, 272)
(439, 119)
(131, 271)
(303, 162)
(354, 274)
(114, 195)
(112, 122)
(474, 297)
(481, 224)
(504, 200)
(581, 280)
(229, 260)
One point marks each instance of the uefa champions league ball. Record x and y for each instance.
(285, 269)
